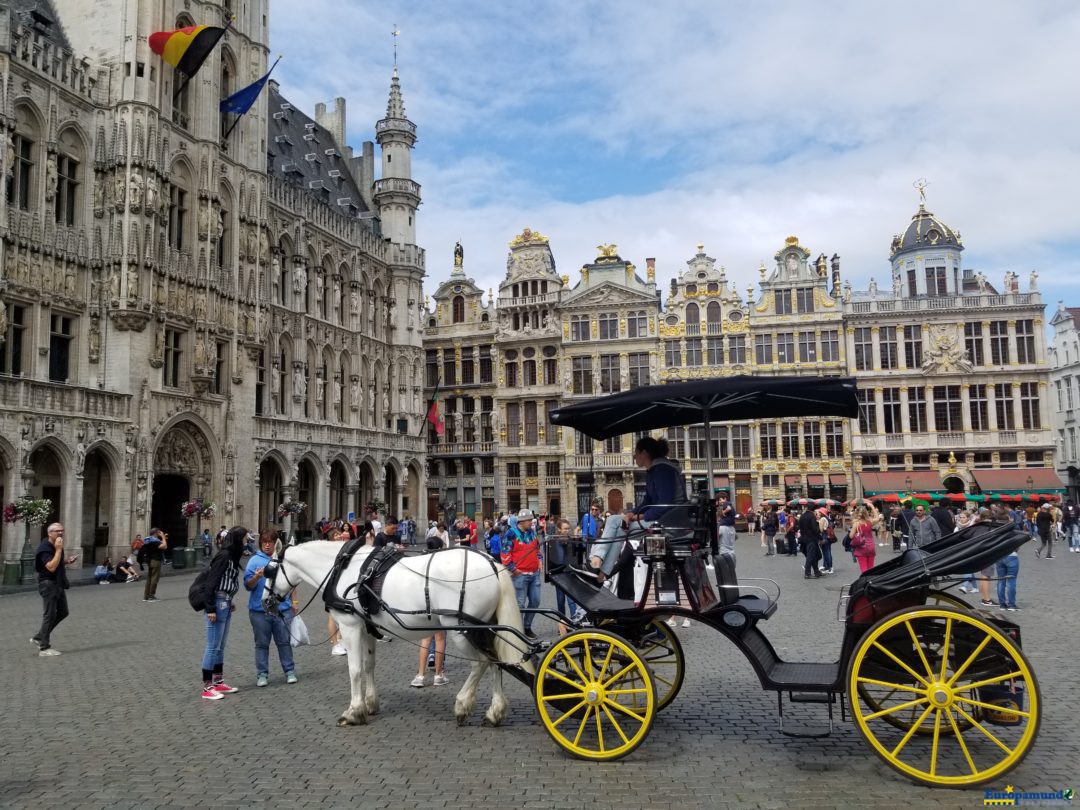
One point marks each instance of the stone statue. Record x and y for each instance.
(200, 306)
(847, 292)
(140, 496)
(275, 270)
(200, 355)
(80, 458)
(94, 348)
(299, 383)
(135, 189)
(99, 195)
(229, 492)
(320, 289)
(320, 389)
(355, 393)
(1033, 281)
(133, 280)
(337, 394)
(980, 277)
(264, 244)
(371, 399)
(119, 191)
(792, 264)
(873, 288)
(219, 223)
(896, 284)
(386, 402)
(3, 318)
(337, 297)
(151, 193)
(354, 301)
(275, 382)
(1012, 282)
(25, 444)
(459, 255)
(52, 178)
(494, 419)
(204, 219)
(69, 282)
(114, 283)
(299, 281)
(159, 343)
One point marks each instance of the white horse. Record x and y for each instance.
(452, 579)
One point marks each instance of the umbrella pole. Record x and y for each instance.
(709, 455)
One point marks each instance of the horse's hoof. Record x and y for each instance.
(462, 719)
(343, 721)
(373, 707)
(488, 722)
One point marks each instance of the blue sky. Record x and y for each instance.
(732, 124)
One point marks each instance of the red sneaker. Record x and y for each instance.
(223, 688)
(208, 693)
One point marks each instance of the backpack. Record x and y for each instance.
(195, 592)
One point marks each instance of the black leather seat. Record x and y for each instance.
(757, 606)
(592, 598)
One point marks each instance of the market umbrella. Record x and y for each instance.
(857, 502)
(829, 502)
(889, 497)
(800, 502)
(771, 502)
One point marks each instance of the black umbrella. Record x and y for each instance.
(723, 399)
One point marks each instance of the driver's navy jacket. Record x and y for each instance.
(664, 484)
(261, 560)
(520, 551)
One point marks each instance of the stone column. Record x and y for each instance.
(352, 502)
(478, 485)
(399, 491)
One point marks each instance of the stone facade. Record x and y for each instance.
(189, 315)
(1064, 358)
(952, 373)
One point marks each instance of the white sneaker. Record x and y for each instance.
(685, 622)
(672, 622)
(441, 680)
(48, 653)
(418, 681)
(338, 649)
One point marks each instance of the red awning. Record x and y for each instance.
(793, 480)
(1042, 478)
(838, 479)
(814, 480)
(901, 481)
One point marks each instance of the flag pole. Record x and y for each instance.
(232, 126)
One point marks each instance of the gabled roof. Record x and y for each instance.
(40, 16)
(303, 153)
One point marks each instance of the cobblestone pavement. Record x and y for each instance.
(116, 721)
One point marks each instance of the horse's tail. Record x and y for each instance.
(509, 648)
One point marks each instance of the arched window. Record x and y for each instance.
(25, 143)
(459, 309)
(283, 371)
(66, 196)
(228, 72)
(180, 186)
(693, 314)
(323, 294)
(339, 391)
(284, 280)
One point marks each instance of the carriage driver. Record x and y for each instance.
(607, 554)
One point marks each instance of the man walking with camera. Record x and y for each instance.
(49, 563)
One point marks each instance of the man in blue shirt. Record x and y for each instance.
(590, 526)
(267, 625)
(49, 563)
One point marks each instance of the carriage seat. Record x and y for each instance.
(593, 599)
(728, 593)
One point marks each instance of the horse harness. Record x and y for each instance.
(372, 576)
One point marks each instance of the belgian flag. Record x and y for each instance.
(186, 48)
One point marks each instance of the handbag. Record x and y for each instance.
(298, 632)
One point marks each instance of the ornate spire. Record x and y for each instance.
(395, 106)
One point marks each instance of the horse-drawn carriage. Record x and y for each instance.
(940, 690)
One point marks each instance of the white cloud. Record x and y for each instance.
(760, 119)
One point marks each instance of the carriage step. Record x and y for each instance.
(826, 698)
(810, 697)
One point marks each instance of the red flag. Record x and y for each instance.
(433, 415)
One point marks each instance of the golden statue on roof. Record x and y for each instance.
(528, 237)
(607, 251)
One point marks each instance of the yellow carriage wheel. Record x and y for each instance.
(595, 695)
(663, 652)
(879, 698)
(976, 698)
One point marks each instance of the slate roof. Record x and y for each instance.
(303, 153)
(42, 17)
(925, 231)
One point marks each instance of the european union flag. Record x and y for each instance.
(240, 101)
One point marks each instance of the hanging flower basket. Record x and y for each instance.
(376, 507)
(33, 511)
(197, 507)
(290, 508)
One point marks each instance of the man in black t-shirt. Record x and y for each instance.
(389, 533)
(49, 562)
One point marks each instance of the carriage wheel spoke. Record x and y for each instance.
(910, 671)
(989, 681)
(607, 660)
(970, 661)
(993, 707)
(588, 659)
(662, 679)
(945, 650)
(574, 664)
(934, 746)
(599, 731)
(627, 691)
(559, 676)
(963, 745)
(581, 728)
(611, 719)
(981, 728)
(572, 711)
(897, 708)
(911, 731)
(615, 705)
(918, 648)
(893, 687)
(629, 669)
(567, 696)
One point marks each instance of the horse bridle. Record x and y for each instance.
(270, 572)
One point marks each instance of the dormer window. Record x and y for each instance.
(691, 288)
